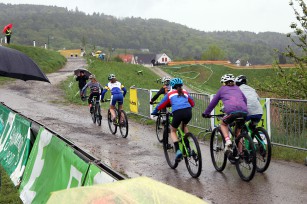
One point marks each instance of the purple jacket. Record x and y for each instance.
(233, 100)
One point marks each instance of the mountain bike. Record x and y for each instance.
(120, 121)
(159, 127)
(96, 113)
(262, 145)
(159, 124)
(242, 154)
(188, 145)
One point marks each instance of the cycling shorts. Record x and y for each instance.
(181, 115)
(230, 118)
(254, 118)
(117, 98)
(92, 95)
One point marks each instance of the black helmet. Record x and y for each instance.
(241, 80)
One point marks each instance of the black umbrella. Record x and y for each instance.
(15, 64)
(86, 72)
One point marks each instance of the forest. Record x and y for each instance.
(61, 28)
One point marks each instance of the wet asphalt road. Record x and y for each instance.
(140, 154)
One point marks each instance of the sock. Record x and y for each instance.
(176, 146)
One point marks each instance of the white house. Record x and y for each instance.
(238, 62)
(162, 59)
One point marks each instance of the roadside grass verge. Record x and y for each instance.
(127, 74)
(8, 192)
(49, 61)
(289, 154)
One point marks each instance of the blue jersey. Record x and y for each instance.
(115, 88)
(177, 102)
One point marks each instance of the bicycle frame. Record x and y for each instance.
(180, 134)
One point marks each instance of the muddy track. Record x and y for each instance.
(140, 154)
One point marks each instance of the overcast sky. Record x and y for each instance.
(205, 15)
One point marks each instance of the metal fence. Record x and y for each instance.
(288, 121)
(143, 96)
(201, 103)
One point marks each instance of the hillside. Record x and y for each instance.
(63, 28)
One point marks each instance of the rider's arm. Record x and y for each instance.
(84, 88)
(191, 100)
(161, 91)
(213, 103)
(163, 103)
(124, 90)
(103, 93)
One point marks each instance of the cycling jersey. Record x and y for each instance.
(115, 88)
(233, 100)
(95, 87)
(163, 90)
(177, 102)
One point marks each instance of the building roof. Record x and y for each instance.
(144, 58)
(126, 58)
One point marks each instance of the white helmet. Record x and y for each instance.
(166, 80)
(227, 77)
(92, 76)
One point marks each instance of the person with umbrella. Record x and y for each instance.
(81, 78)
(8, 32)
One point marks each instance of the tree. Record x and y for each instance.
(213, 53)
(292, 83)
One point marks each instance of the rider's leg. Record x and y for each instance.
(225, 131)
(122, 116)
(112, 110)
(90, 102)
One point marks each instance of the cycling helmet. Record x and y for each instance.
(166, 80)
(92, 76)
(176, 81)
(227, 77)
(241, 80)
(111, 76)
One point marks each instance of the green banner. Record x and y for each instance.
(15, 146)
(52, 166)
(97, 176)
(4, 114)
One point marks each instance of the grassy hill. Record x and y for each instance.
(206, 78)
(61, 28)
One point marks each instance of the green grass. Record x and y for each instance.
(125, 73)
(209, 76)
(8, 192)
(49, 61)
(287, 154)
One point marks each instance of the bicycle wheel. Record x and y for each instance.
(93, 115)
(112, 126)
(217, 145)
(123, 125)
(159, 128)
(98, 114)
(193, 159)
(263, 149)
(246, 164)
(169, 149)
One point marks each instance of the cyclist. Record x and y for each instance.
(117, 94)
(95, 89)
(253, 102)
(182, 104)
(164, 89)
(234, 103)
